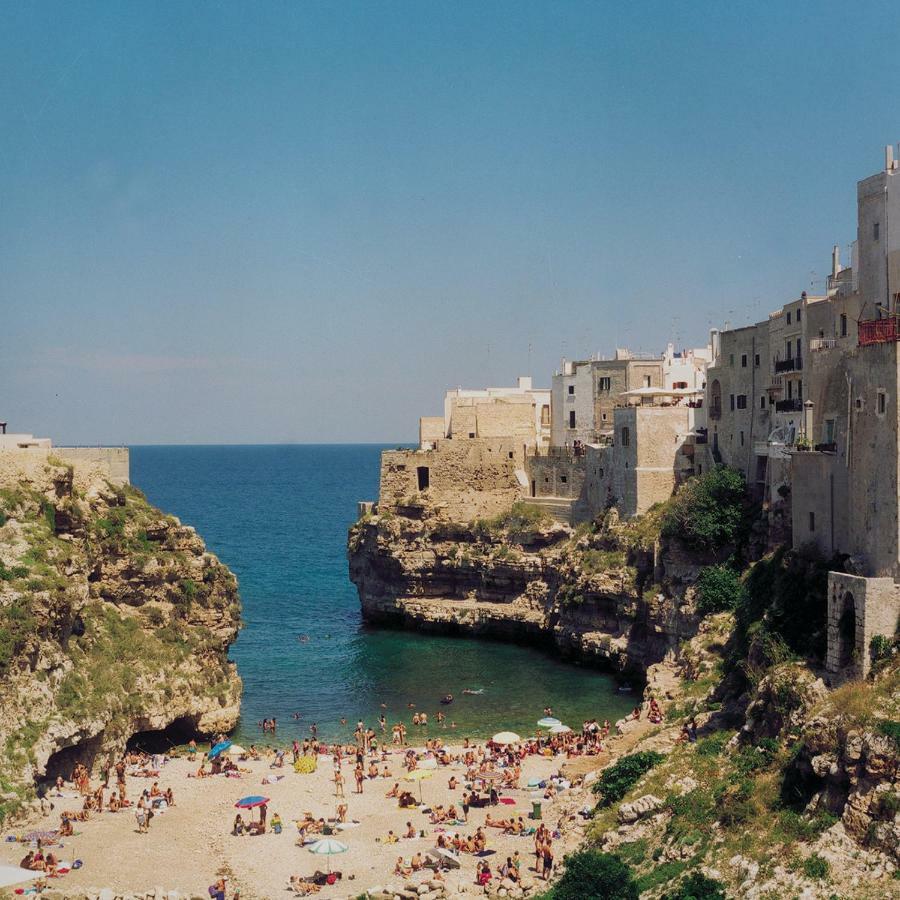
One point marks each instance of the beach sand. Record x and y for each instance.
(190, 843)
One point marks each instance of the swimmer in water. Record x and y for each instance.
(303, 638)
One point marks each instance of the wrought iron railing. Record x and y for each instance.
(878, 331)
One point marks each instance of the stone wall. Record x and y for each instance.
(819, 513)
(858, 610)
(466, 478)
(558, 475)
(91, 463)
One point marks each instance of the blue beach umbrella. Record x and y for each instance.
(219, 748)
(251, 801)
(548, 722)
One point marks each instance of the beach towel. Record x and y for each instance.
(508, 801)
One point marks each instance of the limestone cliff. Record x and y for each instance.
(604, 595)
(114, 620)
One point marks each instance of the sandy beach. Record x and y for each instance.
(190, 843)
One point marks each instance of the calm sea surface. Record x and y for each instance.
(278, 517)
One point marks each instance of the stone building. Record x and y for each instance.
(806, 405)
(586, 392)
(521, 412)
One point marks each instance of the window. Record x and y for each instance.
(875, 231)
(604, 384)
(571, 389)
(882, 403)
(742, 438)
(731, 400)
(790, 385)
(626, 436)
(799, 314)
(843, 325)
(545, 414)
(601, 473)
(647, 381)
(800, 389)
(756, 360)
(571, 418)
(762, 402)
(812, 521)
(603, 416)
(799, 354)
(730, 359)
(743, 360)
(679, 385)
(563, 479)
(741, 401)
(789, 318)
(471, 434)
(422, 476)
(829, 431)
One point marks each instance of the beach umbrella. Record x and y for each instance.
(427, 763)
(219, 748)
(489, 776)
(506, 737)
(548, 722)
(535, 782)
(328, 847)
(419, 775)
(234, 750)
(251, 801)
(451, 857)
(42, 836)
(560, 729)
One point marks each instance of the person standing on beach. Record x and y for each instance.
(338, 784)
(465, 806)
(360, 777)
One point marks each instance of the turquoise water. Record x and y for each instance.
(278, 517)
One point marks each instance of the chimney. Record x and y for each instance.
(835, 261)
(808, 419)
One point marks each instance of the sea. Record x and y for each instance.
(277, 516)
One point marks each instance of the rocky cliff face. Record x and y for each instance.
(605, 596)
(114, 620)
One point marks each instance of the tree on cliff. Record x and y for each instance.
(710, 512)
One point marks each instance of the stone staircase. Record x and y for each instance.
(560, 508)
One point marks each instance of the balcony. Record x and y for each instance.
(794, 364)
(715, 411)
(878, 331)
(817, 344)
(826, 448)
(795, 404)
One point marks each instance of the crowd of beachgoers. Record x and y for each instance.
(482, 813)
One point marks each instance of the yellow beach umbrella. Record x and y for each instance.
(419, 775)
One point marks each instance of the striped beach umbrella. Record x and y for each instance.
(328, 847)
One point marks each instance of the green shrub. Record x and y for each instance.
(891, 730)
(602, 560)
(615, 782)
(592, 875)
(719, 589)
(710, 511)
(16, 624)
(881, 649)
(697, 887)
(815, 866)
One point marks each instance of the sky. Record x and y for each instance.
(279, 222)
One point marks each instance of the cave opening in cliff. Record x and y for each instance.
(64, 760)
(161, 740)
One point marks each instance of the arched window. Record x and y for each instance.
(626, 436)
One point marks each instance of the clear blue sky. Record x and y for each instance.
(303, 221)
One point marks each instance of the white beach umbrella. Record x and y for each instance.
(548, 722)
(506, 737)
(328, 847)
(560, 729)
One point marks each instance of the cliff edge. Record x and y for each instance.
(114, 621)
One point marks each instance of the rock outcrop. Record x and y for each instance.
(114, 620)
(539, 583)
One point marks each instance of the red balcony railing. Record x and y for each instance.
(878, 331)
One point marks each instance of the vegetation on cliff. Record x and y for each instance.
(113, 619)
